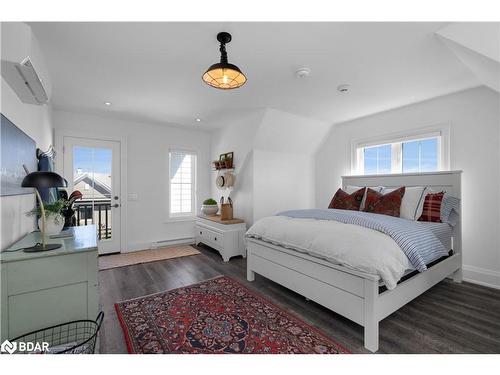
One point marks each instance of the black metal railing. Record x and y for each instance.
(100, 210)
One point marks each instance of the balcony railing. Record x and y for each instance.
(99, 210)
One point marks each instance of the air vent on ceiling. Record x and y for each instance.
(25, 81)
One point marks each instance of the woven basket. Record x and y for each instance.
(226, 211)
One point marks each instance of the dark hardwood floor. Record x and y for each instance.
(448, 318)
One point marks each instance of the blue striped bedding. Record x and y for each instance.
(418, 242)
(450, 209)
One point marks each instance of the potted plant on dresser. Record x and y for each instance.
(209, 207)
(54, 218)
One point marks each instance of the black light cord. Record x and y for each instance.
(22, 248)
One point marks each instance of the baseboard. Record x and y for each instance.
(172, 242)
(149, 245)
(481, 276)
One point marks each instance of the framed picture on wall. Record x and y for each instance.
(228, 157)
(17, 148)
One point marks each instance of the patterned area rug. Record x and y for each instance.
(216, 316)
(145, 256)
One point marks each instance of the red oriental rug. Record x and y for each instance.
(216, 316)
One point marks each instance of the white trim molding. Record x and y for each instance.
(481, 276)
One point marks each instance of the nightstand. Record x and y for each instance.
(225, 236)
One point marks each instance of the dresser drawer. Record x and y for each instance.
(210, 237)
(227, 239)
(44, 273)
(44, 308)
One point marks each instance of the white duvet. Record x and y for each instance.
(349, 245)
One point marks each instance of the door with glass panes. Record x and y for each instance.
(92, 167)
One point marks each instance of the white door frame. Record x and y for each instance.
(59, 136)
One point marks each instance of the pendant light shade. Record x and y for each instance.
(223, 75)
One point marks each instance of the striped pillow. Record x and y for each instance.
(450, 209)
(432, 208)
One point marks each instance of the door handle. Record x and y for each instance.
(115, 197)
(116, 205)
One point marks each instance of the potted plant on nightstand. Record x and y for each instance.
(54, 219)
(209, 207)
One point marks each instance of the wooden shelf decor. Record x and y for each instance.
(225, 161)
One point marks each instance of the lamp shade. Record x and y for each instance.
(41, 180)
(223, 75)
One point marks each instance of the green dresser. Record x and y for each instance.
(42, 289)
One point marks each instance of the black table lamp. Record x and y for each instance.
(39, 180)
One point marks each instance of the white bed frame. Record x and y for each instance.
(351, 293)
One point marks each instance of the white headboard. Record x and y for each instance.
(449, 181)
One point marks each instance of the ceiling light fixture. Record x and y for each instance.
(198, 120)
(223, 75)
(108, 104)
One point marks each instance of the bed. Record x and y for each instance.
(357, 295)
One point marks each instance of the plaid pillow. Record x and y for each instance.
(388, 204)
(432, 208)
(344, 201)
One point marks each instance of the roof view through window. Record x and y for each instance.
(92, 177)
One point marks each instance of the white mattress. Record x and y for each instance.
(350, 245)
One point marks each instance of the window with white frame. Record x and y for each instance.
(404, 154)
(182, 169)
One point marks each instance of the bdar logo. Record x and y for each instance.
(8, 347)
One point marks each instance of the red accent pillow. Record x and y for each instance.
(432, 208)
(388, 204)
(344, 201)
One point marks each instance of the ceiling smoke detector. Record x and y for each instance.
(302, 72)
(344, 88)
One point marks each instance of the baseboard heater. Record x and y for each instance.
(172, 242)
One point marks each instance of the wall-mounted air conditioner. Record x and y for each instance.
(25, 81)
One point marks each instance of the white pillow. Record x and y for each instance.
(351, 189)
(412, 203)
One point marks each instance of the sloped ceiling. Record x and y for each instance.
(151, 71)
(285, 132)
(477, 46)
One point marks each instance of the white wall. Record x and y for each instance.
(474, 148)
(282, 181)
(147, 147)
(273, 158)
(237, 133)
(34, 120)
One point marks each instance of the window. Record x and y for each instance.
(405, 154)
(420, 155)
(377, 159)
(182, 183)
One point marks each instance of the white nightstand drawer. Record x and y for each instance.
(209, 237)
(226, 238)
